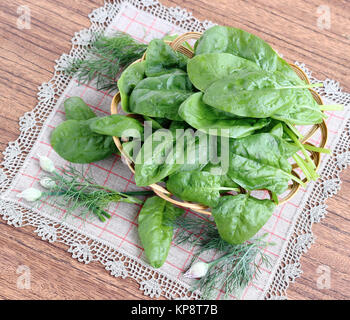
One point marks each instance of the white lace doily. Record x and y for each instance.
(294, 238)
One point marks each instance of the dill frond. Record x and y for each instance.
(237, 265)
(105, 58)
(80, 191)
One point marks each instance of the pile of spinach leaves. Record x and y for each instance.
(236, 91)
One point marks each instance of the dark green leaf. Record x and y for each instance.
(243, 44)
(118, 126)
(195, 186)
(161, 58)
(156, 230)
(204, 69)
(75, 142)
(240, 217)
(214, 121)
(257, 94)
(161, 96)
(77, 109)
(128, 80)
(260, 161)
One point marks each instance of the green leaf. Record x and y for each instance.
(214, 121)
(155, 160)
(260, 94)
(161, 96)
(155, 229)
(118, 126)
(240, 217)
(75, 142)
(195, 186)
(128, 80)
(161, 58)
(204, 69)
(243, 44)
(225, 180)
(260, 161)
(164, 153)
(77, 109)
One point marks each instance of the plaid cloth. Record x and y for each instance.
(121, 230)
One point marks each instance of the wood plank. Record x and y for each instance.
(27, 59)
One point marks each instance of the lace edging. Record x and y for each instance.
(84, 248)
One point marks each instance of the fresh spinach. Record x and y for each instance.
(77, 109)
(156, 159)
(225, 180)
(214, 121)
(117, 125)
(155, 229)
(204, 69)
(74, 141)
(130, 77)
(196, 186)
(260, 161)
(164, 153)
(161, 96)
(240, 217)
(262, 94)
(160, 58)
(243, 44)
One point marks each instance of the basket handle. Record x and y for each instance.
(177, 43)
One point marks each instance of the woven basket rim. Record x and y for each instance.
(162, 192)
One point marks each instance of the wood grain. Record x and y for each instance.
(27, 59)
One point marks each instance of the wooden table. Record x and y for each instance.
(27, 59)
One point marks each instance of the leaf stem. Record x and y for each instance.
(331, 107)
(317, 149)
(294, 130)
(300, 145)
(307, 86)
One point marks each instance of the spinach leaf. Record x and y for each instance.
(75, 142)
(214, 121)
(156, 159)
(77, 109)
(178, 125)
(132, 148)
(158, 123)
(198, 150)
(161, 96)
(252, 167)
(195, 186)
(240, 217)
(130, 77)
(204, 69)
(117, 125)
(302, 113)
(164, 153)
(161, 58)
(155, 229)
(225, 180)
(262, 94)
(245, 45)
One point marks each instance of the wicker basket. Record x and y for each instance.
(165, 194)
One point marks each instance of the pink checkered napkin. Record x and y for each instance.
(121, 230)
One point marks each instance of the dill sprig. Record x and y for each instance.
(237, 265)
(80, 191)
(105, 59)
